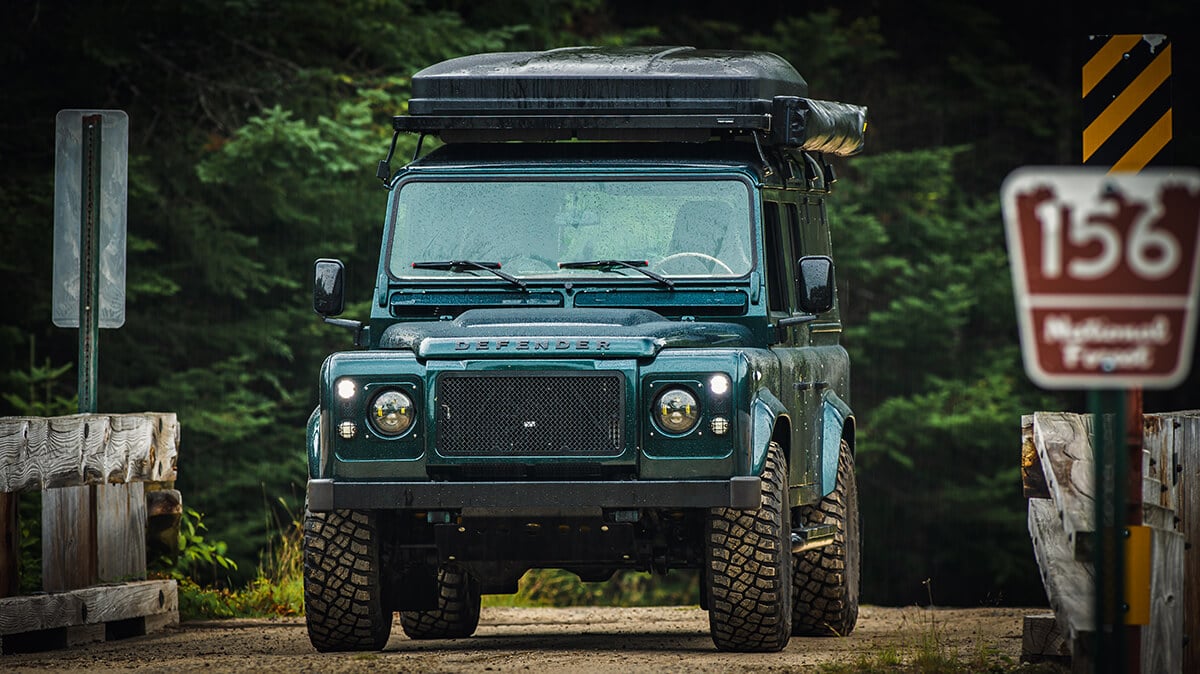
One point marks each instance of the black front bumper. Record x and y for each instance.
(744, 493)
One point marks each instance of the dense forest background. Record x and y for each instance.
(255, 126)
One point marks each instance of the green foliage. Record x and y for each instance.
(937, 385)
(834, 54)
(555, 587)
(42, 387)
(277, 589)
(199, 556)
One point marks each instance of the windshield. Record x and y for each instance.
(595, 227)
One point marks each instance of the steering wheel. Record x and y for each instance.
(688, 253)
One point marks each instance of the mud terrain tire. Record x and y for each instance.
(343, 594)
(749, 568)
(826, 582)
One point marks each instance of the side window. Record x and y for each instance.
(816, 229)
(795, 229)
(775, 256)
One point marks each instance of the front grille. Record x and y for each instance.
(530, 414)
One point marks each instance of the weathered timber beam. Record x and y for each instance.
(1184, 430)
(1068, 582)
(1163, 640)
(1064, 447)
(1043, 640)
(91, 605)
(1162, 465)
(81, 449)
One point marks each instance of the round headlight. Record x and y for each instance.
(392, 413)
(676, 410)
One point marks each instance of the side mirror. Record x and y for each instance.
(816, 283)
(329, 293)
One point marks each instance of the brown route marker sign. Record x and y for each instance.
(1106, 268)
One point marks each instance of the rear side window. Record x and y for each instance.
(776, 258)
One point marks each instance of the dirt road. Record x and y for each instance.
(537, 640)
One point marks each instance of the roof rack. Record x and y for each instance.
(642, 93)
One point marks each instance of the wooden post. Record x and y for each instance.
(1186, 427)
(120, 532)
(68, 538)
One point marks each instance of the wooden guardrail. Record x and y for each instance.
(87, 449)
(92, 470)
(1057, 472)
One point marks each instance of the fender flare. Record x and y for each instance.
(837, 422)
(765, 412)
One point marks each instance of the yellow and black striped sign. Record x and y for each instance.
(1127, 101)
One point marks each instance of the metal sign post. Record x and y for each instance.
(89, 262)
(1107, 408)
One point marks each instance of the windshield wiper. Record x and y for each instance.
(613, 265)
(460, 266)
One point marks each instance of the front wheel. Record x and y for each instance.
(748, 569)
(343, 593)
(825, 587)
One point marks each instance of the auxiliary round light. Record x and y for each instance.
(676, 410)
(719, 425)
(392, 413)
(345, 389)
(719, 384)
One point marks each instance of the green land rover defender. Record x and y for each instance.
(604, 335)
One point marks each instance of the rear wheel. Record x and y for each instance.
(457, 612)
(825, 586)
(749, 568)
(343, 593)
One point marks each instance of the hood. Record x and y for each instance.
(558, 333)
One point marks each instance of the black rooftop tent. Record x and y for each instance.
(634, 92)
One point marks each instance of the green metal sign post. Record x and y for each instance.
(1110, 466)
(89, 261)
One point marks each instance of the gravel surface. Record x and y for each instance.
(662, 639)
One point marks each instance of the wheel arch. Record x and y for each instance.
(770, 422)
(838, 424)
